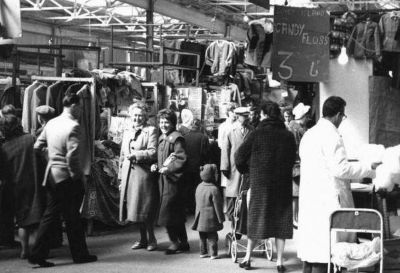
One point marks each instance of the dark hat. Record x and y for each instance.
(208, 173)
(45, 111)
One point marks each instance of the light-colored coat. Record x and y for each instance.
(61, 136)
(234, 139)
(138, 184)
(324, 187)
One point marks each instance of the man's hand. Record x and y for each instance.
(163, 170)
(131, 157)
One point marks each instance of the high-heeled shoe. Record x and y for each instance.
(245, 264)
(281, 268)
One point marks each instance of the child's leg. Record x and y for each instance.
(203, 243)
(213, 240)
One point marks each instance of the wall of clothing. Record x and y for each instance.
(370, 35)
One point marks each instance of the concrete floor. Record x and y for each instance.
(115, 256)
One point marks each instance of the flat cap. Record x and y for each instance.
(45, 110)
(242, 111)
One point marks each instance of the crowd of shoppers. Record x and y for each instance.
(166, 173)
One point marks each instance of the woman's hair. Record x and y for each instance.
(139, 105)
(332, 106)
(271, 109)
(10, 126)
(168, 115)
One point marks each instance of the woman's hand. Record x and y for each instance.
(153, 168)
(163, 170)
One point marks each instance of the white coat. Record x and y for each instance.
(324, 187)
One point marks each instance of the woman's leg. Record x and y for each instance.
(150, 232)
(280, 246)
(250, 246)
(143, 233)
(23, 234)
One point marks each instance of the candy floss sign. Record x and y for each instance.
(301, 44)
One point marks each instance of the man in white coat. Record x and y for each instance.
(324, 184)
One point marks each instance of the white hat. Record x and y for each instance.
(243, 111)
(300, 110)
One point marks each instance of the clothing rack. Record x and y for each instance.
(92, 83)
(164, 65)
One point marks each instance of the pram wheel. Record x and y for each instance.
(228, 244)
(234, 251)
(231, 247)
(268, 249)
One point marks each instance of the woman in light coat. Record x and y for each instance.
(139, 191)
(325, 184)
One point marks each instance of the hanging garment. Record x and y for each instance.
(219, 56)
(259, 43)
(27, 107)
(55, 95)
(364, 41)
(388, 26)
(85, 122)
(38, 99)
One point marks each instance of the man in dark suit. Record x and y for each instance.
(63, 182)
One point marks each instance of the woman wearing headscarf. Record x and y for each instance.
(20, 195)
(269, 152)
(139, 191)
(170, 166)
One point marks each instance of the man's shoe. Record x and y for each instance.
(184, 247)
(40, 262)
(245, 264)
(86, 259)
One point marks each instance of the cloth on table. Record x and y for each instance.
(352, 255)
(388, 173)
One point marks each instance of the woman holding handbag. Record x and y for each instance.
(139, 191)
(170, 166)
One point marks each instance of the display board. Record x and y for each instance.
(301, 44)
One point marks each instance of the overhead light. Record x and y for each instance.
(245, 18)
(343, 58)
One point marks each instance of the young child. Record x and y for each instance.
(209, 215)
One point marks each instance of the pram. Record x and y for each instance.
(353, 256)
(232, 239)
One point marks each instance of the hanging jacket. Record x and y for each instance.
(259, 43)
(365, 41)
(219, 55)
(388, 25)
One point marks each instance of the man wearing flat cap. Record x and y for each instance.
(45, 113)
(234, 139)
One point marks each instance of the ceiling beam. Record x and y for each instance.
(191, 16)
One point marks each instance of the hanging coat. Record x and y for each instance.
(234, 139)
(324, 187)
(172, 211)
(138, 185)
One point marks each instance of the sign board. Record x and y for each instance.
(301, 44)
(10, 19)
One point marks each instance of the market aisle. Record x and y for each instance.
(115, 256)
